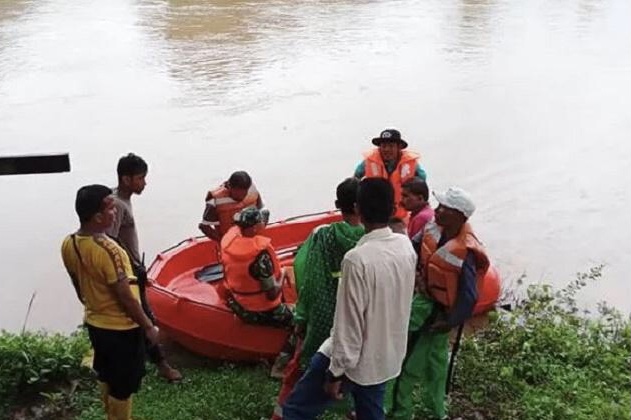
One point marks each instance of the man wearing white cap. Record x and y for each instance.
(452, 264)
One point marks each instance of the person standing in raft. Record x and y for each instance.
(252, 273)
(317, 269)
(105, 284)
(222, 203)
(389, 160)
(132, 172)
(452, 265)
(369, 333)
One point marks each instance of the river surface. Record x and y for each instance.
(527, 104)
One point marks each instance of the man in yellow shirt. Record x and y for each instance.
(103, 279)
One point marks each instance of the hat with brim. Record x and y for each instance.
(390, 135)
(457, 199)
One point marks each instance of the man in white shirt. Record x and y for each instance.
(369, 335)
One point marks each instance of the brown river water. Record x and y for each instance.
(527, 104)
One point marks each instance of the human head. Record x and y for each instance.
(346, 194)
(414, 194)
(94, 205)
(132, 171)
(251, 221)
(375, 200)
(454, 208)
(390, 144)
(238, 185)
(397, 225)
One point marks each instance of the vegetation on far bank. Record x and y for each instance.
(544, 360)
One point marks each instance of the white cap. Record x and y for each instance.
(458, 199)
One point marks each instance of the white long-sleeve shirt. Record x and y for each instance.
(370, 328)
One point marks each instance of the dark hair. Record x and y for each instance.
(417, 186)
(240, 179)
(346, 194)
(89, 201)
(131, 165)
(375, 198)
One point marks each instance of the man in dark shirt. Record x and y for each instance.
(132, 172)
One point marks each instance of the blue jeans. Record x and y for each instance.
(308, 399)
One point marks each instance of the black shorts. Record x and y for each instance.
(119, 359)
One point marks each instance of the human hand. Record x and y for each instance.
(439, 326)
(152, 333)
(333, 388)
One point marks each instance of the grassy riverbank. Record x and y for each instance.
(544, 360)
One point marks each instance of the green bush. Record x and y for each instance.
(30, 361)
(547, 360)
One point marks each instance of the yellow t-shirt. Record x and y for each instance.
(101, 264)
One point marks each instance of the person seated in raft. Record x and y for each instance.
(252, 272)
(390, 161)
(222, 203)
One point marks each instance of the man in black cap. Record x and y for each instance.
(390, 161)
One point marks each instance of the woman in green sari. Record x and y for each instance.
(317, 271)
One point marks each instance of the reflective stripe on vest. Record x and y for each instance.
(450, 258)
(432, 229)
(226, 206)
(442, 266)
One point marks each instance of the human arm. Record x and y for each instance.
(420, 172)
(116, 268)
(465, 300)
(263, 270)
(210, 219)
(348, 321)
(132, 308)
(360, 170)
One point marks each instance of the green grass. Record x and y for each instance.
(545, 360)
(224, 392)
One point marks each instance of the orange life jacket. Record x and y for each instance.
(227, 207)
(442, 266)
(405, 170)
(237, 254)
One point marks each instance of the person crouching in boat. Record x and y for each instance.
(252, 272)
(222, 203)
(452, 266)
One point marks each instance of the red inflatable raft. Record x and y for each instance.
(187, 295)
